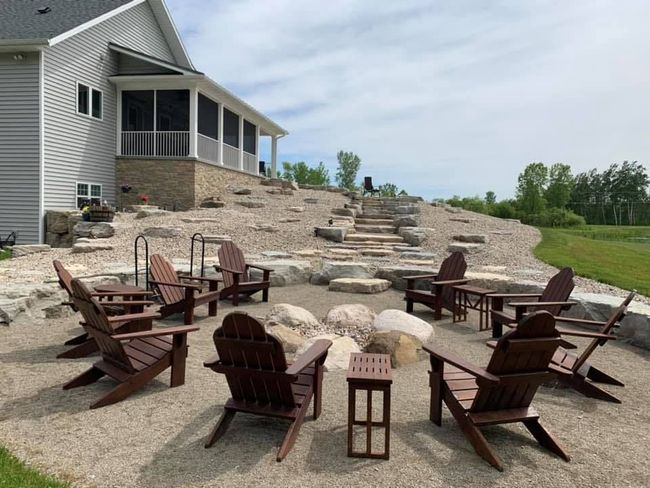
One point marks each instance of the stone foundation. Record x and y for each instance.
(178, 184)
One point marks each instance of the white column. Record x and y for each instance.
(257, 149)
(241, 143)
(118, 148)
(220, 131)
(274, 157)
(194, 117)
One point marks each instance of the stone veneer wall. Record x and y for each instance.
(175, 184)
(211, 180)
(168, 183)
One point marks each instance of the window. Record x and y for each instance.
(172, 110)
(230, 128)
(208, 117)
(89, 101)
(249, 137)
(88, 194)
(137, 110)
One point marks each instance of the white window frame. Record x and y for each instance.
(88, 196)
(91, 89)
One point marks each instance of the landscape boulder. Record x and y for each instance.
(415, 236)
(453, 210)
(285, 272)
(291, 316)
(296, 209)
(242, 191)
(332, 270)
(265, 227)
(464, 247)
(396, 273)
(417, 256)
(405, 221)
(212, 202)
(472, 238)
(310, 200)
(290, 339)
(21, 250)
(350, 316)
(252, 203)
(143, 214)
(359, 285)
(407, 210)
(346, 212)
(162, 232)
(336, 234)
(88, 247)
(403, 348)
(216, 239)
(94, 230)
(396, 320)
(338, 356)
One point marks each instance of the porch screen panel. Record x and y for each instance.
(172, 110)
(249, 137)
(137, 110)
(230, 128)
(208, 123)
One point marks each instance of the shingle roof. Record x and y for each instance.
(19, 19)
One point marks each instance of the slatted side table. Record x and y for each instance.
(369, 372)
(481, 303)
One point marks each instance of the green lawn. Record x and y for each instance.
(619, 256)
(14, 474)
(5, 254)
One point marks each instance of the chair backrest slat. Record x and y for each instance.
(521, 359)
(231, 257)
(558, 289)
(99, 328)
(246, 364)
(452, 268)
(367, 183)
(162, 270)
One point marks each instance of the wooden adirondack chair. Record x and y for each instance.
(178, 294)
(554, 299)
(236, 277)
(503, 391)
(86, 345)
(577, 369)
(452, 272)
(132, 359)
(261, 381)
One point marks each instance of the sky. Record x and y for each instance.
(439, 97)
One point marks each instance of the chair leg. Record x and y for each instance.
(117, 394)
(545, 438)
(409, 305)
(81, 351)
(594, 374)
(292, 434)
(435, 383)
(497, 329)
(188, 314)
(85, 378)
(437, 310)
(590, 390)
(220, 428)
(80, 339)
(235, 299)
(265, 295)
(212, 308)
(179, 353)
(318, 389)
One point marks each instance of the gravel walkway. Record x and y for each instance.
(154, 438)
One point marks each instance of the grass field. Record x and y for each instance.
(5, 254)
(619, 256)
(14, 474)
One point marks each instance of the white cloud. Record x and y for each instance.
(439, 97)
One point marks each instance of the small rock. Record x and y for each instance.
(288, 220)
(454, 210)
(296, 209)
(162, 232)
(464, 220)
(242, 191)
(403, 348)
(359, 285)
(274, 191)
(401, 321)
(276, 254)
(216, 239)
(417, 256)
(264, 227)
(310, 200)
(251, 203)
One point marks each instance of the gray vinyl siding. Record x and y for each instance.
(128, 65)
(19, 147)
(78, 147)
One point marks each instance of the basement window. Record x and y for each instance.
(88, 194)
(90, 101)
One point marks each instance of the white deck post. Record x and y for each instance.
(257, 149)
(118, 148)
(194, 117)
(220, 132)
(241, 143)
(274, 157)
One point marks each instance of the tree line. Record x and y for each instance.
(551, 196)
(348, 168)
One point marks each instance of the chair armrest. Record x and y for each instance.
(177, 285)
(133, 316)
(460, 363)
(200, 278)
(515, 295)
(591, 335)
(260, 267)
(450, 282)
(540, 304)
(122, 294)
(126, 303)
(571, 320)
(317, 350)
(420, 277)
(156, 332)
(227, 270)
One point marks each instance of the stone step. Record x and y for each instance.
(360, 246)
(374, 216)
(375, 229)
(364, 221)
(360, 237)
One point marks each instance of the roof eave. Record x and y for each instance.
(23, 44)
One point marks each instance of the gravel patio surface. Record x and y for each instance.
(155, 437)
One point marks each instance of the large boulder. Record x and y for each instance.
(291, 316)
(464, 247)
(336, 234)
(163, 232)
(212, 202)
(407, 210)
(392, 319)
(21, 250)
(415, 236)
(290, 339)
(403, 348)
(350, 316)
(405, 221)
(94, 230)
(347, 212)
(473, 238)
(396, 273)
(285, 272)
(359, 285)
(88, 247)
(242, 191)
(25, 304)
(332, 270)
(143, 214)
(252, 203)
(338, 356)
(635, 327)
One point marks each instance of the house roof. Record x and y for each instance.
(152, 59)
(20, 19)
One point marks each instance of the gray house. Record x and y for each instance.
(100, 94)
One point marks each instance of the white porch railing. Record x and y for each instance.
(230, 156)
(250, 163)
(156, 143)
(207, 148)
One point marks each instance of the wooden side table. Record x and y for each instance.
(369, 372)
(463, 298)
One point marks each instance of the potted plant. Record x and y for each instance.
(101, 213)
